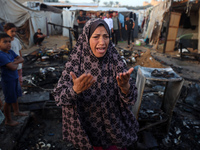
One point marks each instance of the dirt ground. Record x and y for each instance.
(54, 41)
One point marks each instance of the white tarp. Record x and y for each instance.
(121, 9)
(157, 16)
(68, 21)
(12, 11)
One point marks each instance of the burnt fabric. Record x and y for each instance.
(101, 115)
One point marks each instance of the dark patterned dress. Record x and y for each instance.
(99, 116)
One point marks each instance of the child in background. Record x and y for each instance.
(9, 78)
(11, 29)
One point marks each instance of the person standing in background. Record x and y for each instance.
(109, 22)
(116, 28)
(129, 27)
(81, 22)
(11, 29)
(9, 62)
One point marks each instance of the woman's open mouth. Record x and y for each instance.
(101, 50)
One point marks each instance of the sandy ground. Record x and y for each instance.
(49, 42)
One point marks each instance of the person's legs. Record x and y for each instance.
(129, 34)
(15, 105)
(40, 41)
(133, 36)
(80, 30)
(113, 36)
(16, 110)
(7, 113)
(116, 36)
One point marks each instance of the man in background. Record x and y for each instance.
(116, 28)
(81, 19)
(38, 37)
(129, 27)
(109, 21)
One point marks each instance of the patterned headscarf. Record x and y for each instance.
(99, 115)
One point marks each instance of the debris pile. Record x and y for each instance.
(146, 60)
(184, 131)
(45, 55)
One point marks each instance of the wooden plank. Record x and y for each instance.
(178, 3)
(175, 19)
(172, 31)
(172, 34)
(170, 46)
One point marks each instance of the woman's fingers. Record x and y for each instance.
(82, 83)
(130, 70)
(124, 77)
(89, 84)
(86, 80)
(73, 76)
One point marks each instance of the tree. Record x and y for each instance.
(111, 3)
(105, 3)
(96, 1)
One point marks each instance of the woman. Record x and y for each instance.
(96, 93)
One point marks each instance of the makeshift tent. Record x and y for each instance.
(156, 17)
(121, 9)
(29, 20)
(68, 21)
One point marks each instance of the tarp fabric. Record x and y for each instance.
(14, 12)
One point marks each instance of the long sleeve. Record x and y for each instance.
(132, 96)
(63, 92)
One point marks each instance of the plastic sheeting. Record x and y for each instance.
(68, 21)
(14, 12)
(157, 15)
(121, 9)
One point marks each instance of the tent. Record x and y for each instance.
(68, 21)
(121, 9)
(28, 21)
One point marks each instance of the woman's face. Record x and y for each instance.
(12, 32)
(99, 41)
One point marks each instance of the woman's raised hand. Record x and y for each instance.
(123, 80)
(82, 83)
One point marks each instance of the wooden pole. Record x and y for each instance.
(170, 10)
